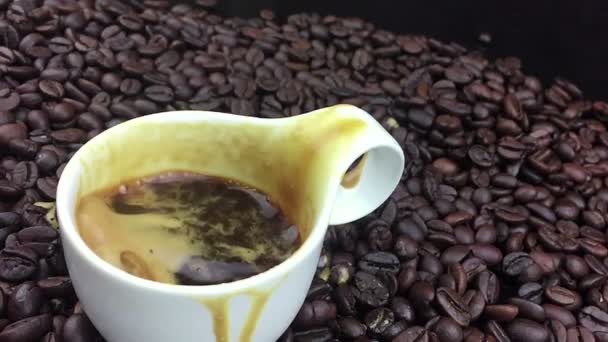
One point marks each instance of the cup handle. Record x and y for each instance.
(374, 178)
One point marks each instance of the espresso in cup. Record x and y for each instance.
(186, 228)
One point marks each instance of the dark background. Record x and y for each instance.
(566, 38)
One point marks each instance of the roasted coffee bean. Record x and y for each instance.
(317, 334)
(378, 320)
(596, 265)
(511, 215)
(47, 186)
(593, 318)
(9, 190)
(473, 266)
(421, 294)
(515, 263)
(17, 264)
(548, 263)
(490, 254)
(412, 334)
(562, 296)
(50, 337)
(51, 88)
(23, 148)
(345, 300)
(9, 100)
(531, 291)
(579, 334)
(495, 330)
(406, 278)
(486, 234)
(595, 297)
(475, 302)
(69, 136)
(351, 328)
(576, 266)
(11, 131)
(78, 328)
(405, 248)
(420, 118)
(593, 247)
(481, 156)
(159, 93)
(25, 174)
(457, 272)
(371, 291)
(447, 330)
(25, 301)
(528, 309)
(558, 331)
(27, 329)
(130, 86)
(402, 309)
(379, 261)
(431, 264)
(55, 286)
(501, 312)
(9, 218)
(526, 330)
(600, 336)
(476, 335)
(455, 254)
(489, 286)
(47, 160)
(62, 112)
(559, 313)
(451, 303)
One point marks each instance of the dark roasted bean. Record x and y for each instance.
(562, 296)
(579, 334)
(559, 313)
(526, 330)
(501, 312)
(378, 320)
(475, 302)
(78, 328)
(25, 301)
(379, 261)
(495, 329)
(412, 334)
(528, 309)
(56, 286)
(515, 263)
(452, 305)
(531, 291)
(489, 286)
(27, 329)
(350, 328)
(447, 330)
(17, 264)
(371, 291)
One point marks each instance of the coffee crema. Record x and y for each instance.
(186, 228)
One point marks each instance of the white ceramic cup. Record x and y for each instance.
(299, 161)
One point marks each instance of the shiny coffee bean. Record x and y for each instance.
(526, 330)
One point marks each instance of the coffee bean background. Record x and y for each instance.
(550, 35)
(497, 231)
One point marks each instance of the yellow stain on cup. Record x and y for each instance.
(219, 307)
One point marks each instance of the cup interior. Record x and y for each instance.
(278, 157)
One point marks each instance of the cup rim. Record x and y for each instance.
(69, 229)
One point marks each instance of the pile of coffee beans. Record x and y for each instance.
(497, 231)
